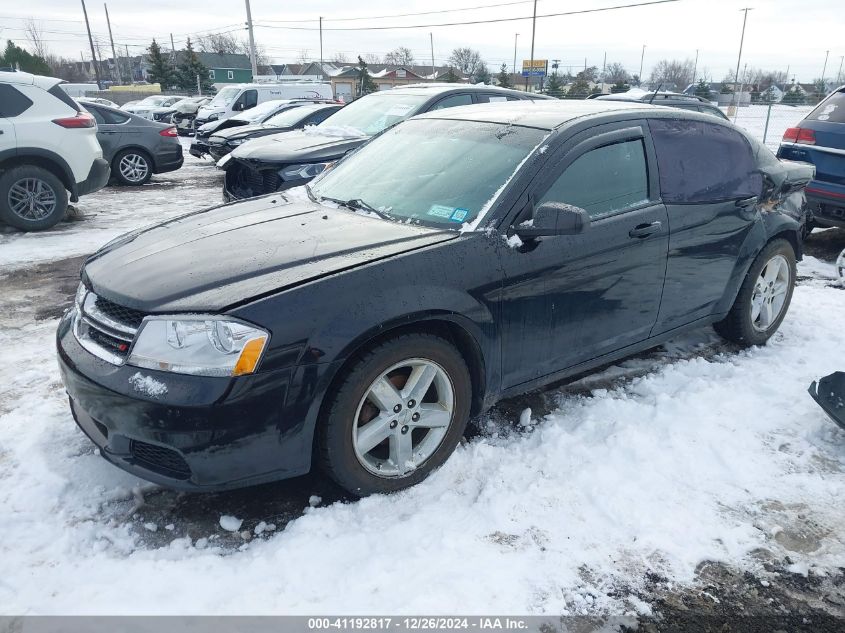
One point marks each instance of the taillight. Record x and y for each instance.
(799, 135)
(79, 120)
(171, 131)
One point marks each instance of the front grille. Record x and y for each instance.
(251, 182)
(163, 460)
(107, 329)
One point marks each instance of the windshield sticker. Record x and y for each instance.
(459, 215)
(497, 99)
(441, 211)
(399, 110)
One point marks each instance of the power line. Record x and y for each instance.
(470, 22)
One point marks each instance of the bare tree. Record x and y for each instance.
(220, 43)
(467, 60)
(303, 57)
(402, 56)
(372, 58)
(35, 35)
(672, 72)
(615, 73)
(340, 58)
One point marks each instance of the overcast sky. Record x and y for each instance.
(780, 33)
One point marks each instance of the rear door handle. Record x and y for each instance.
(107, 132)
(644, 230)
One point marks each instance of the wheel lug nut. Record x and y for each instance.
(405, 429)
(394, 424)
(415, 417)
(397, 408)
(412, 404)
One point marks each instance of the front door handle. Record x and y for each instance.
(644, 230)
(107, 132)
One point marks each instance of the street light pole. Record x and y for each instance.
(642, 59)
(739, 57)
(839, 74)
(515, 38)
(533, 30)
(695, 68)
(251, 41)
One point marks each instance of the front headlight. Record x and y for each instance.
(237, 141)
(213, 117)
(198, 345)
(294, 172)
(80, 296)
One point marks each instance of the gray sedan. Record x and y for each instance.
(135, 147)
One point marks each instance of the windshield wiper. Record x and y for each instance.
(356, 204)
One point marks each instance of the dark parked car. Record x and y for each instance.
(693, 103)
(463, 256)
(291, 159)
(820, 139)
(222, 142)
(135, 147)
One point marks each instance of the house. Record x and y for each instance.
(226, 68)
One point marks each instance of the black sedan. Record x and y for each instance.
(222, 142)
(463, 256)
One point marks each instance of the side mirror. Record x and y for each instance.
(554, 218)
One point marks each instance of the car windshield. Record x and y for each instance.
(260, 112)
(433, 172)
(373, 113)
(289, 117)
(225, 96)
(153, 100)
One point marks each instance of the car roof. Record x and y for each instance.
(441, 88)
(654, 97)
(542, 114)
(28, 79)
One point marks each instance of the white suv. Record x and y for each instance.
(48, 147)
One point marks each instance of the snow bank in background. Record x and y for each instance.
(703, 458)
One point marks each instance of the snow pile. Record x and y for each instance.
(230, 523)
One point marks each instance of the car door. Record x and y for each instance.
(108, 134)
(709, 183)
(247, 100)
(569, 299)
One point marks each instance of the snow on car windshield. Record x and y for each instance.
(376, 112)
(225, 96)
(434, 172)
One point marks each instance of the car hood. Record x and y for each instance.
(210, 260)
(297, 147)
(244, 131)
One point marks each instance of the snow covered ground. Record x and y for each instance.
(694, 452)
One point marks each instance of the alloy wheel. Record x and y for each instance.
(133, 167)
(403, 417)
(32, 199)
(770, 292)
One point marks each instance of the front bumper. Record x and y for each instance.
(98, 177)
(202, 434)
(198, 149)
(829, 393)
(243, 181)
(218, 150)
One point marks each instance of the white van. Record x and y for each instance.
(233, 99)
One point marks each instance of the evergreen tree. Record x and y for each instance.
(366, 83)
(793, 96)
(451, 77)
(554, 87)
(482, 75)
(15, 56)
(161, 71)
(504, 77)
(768, 96)
(702, 89)
(619, 87)
(189, 68)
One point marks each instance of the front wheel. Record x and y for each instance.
(31, 198)
(763, 298)
(398, 413)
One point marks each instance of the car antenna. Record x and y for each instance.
(651, 101)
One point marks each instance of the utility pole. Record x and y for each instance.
(642, 59)
(824, 70)
(252, 41)
(172, 51)
(739, 58)
(128, 63)
(91, 43)
(839, 74)
(433, 72)
(603, 70)
(515, 38)
(113, 52)
(533, 31)
(695, 68)
(321, 47)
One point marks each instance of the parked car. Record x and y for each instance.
(291, 159)
(465, 255)
(222, 142)
(234, 99)
(48, 147)
(135, 147)
(146, 107)
(184, 113)
(669, 99)
(99, 100)
(820, 140)
(257, 115)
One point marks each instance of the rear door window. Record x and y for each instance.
(96, 113)
(831, 110)
(604, 180)
(703, 162)
(12, 101)
(490, 98)
(453, 100)
(115, 118)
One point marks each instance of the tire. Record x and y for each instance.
(132, 167)
(777, 263)
(20, 209)
(341, 446)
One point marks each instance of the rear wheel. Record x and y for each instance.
(398, 413)
(763, 298)
(132, 167)
(31, 198)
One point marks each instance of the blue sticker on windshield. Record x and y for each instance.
(460, 215)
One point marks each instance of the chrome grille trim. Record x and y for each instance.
(88, 315)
